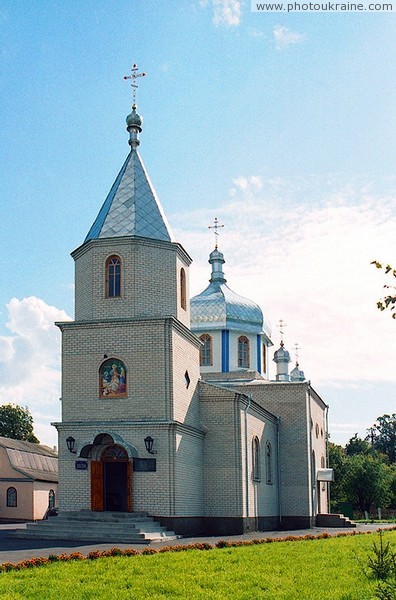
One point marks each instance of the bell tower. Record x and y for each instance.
(130, 364)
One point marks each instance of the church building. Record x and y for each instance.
(167, 405)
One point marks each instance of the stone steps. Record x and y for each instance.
(126, 528)
(333, 520)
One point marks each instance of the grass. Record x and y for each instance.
(317, 569)
(380, 521)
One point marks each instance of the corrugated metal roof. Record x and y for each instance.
(27, 446)
(34, 460)
(38, 475)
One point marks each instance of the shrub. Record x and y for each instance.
(383, 564)
(94, 555)
(115, 552)
(150, 551)
(130, 552)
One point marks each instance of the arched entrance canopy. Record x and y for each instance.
(111, 473)
(95, 448)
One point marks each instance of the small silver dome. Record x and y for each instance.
(282, 355)
(218, 307)
(134, 119)
(296, 374)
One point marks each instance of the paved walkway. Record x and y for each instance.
(15, 550)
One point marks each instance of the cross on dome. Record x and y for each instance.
(296, 351)
(134, 76)
(216, 226)
(281, 325)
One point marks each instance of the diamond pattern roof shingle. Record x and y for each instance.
(218, 307)
(131, 207)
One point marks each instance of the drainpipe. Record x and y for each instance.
(278, 469)
(247, 462)
(313, 475)
(327, 457)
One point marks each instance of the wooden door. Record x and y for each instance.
(129, 486)
(97, 486)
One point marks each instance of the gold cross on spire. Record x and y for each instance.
(216, 226)
(281, 325)
(134, 76)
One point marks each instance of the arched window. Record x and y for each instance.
(264, 358)
(313, 469)
(12, 497)
(243, 351)
(51, 499)
(322, 465)
(112, 379)
(113, 277)
(187, 379)
(256, 459)
(114, 453)
(183, 294)
(268, 462)
(205, 352)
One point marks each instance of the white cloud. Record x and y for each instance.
(249, 185)
(284, 37)
(30, 362)
(225, 12)
(310, 267)
(302, 250)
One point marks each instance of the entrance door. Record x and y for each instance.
(111, 480)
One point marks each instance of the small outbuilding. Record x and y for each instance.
(28, 480)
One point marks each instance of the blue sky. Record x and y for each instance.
(282, 126)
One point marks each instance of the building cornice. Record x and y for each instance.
(171, 322)
(111, 242)
(105, 425)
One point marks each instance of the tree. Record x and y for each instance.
(337, 462)
(17, 423)
(384, 436)
(389, 301)
(393, 487)
(367, 482)
(357, 446)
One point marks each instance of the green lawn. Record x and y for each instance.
(316, 569)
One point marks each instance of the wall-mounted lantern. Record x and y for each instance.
(148, 441)
(71, 442)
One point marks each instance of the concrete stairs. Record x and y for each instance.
(333, 520)
(105, 527)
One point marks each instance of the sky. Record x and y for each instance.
(283, 126)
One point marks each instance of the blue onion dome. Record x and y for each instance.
(134, 119)
(282, 355)
(218, 307)
(296, 374)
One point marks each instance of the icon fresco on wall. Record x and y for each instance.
(112, 379)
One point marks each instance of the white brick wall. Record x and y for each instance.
(291, 402)
(199, 429)
(150, 279)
